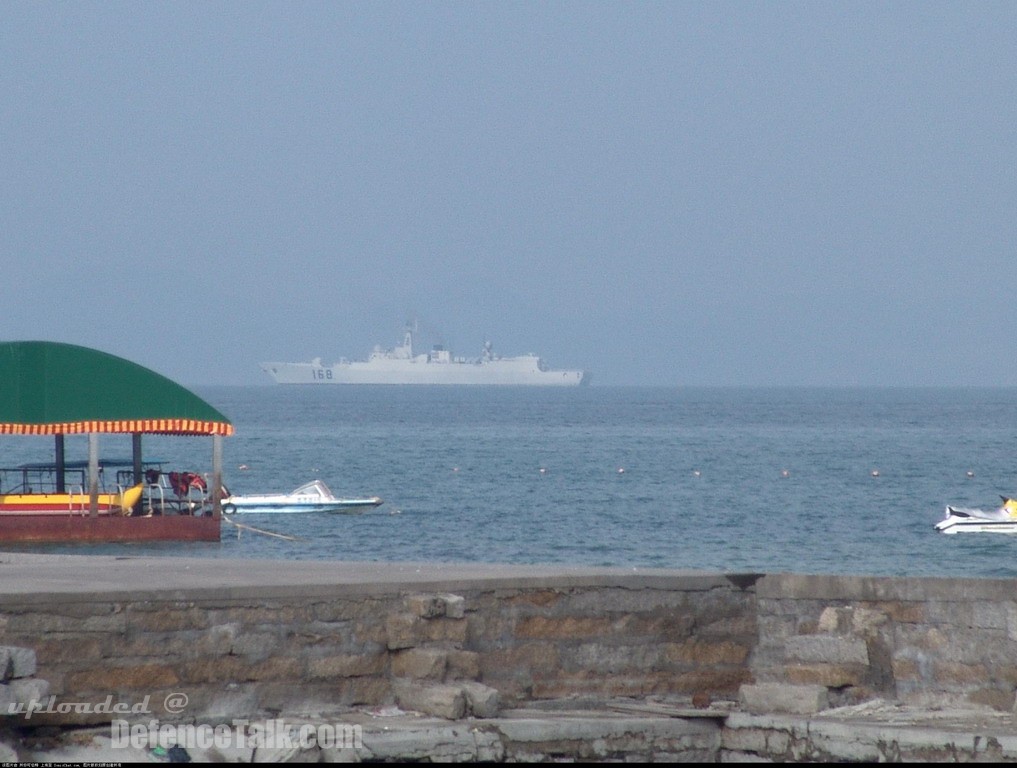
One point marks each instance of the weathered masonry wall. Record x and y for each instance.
(848, 639)
(456, 647)
(240, 652)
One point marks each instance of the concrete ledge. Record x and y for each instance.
(591, 736)
(863, 734)
(29, 579)
(780, 697)
(826, 738)
(881, 588)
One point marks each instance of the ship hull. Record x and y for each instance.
(502, 373)
(50, 529)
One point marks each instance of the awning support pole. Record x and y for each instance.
(93, 474)
(136, 456)
(61, 482)
(216, 475)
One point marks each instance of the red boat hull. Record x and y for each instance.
(49, 529)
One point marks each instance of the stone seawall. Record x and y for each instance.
(855, 638)
(245, 639)
(414, 636)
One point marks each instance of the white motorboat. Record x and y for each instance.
(1003, 519)
(314, 496)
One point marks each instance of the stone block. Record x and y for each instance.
(912, 611)
(420, 663)
(828, 649)
(169, 619)
(320, 696)
(401, 631)
(254, 646)
(436, 606)
(447, 701)
(360, 608)
(425, 606)
(1011, 621)
(22, 692)
(906, 669)
(269, 614)
(231, 669)
(6, 664)
(223, 703)
(718, 682)
(481, 700)
(406, 630)
(455, 606)
(698, 652)
(828, 675)
(140, 677)
(16, 662)
(999, 700)
(372, 632)
(515, 669)
(952, 674)
(614, 659)
(867, 621)
(564, 628)
(540, 598)
(1006, 673)
(766, 698)
(443, 630)
(54, 650)
(834, 621)
(39, 624)
(346, 665)
(745, 740)
(435, 744)
(463, 665)
(740, 627)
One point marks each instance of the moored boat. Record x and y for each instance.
(1002, 519)
(314, 496)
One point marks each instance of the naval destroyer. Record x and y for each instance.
(400, 365)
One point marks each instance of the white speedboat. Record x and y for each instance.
(314, 496)
(964, 520)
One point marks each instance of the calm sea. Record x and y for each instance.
(789, 479)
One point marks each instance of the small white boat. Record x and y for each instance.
(314, 496)
(964, 520)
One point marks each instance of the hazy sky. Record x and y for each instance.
(674, 193)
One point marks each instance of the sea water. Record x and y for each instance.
(805, 480)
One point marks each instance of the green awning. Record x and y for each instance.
(49, 388)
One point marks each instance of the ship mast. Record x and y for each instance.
(408, 338)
